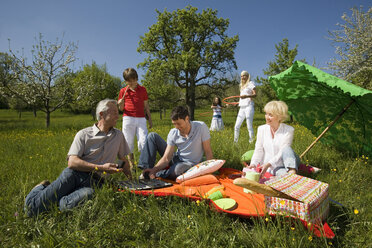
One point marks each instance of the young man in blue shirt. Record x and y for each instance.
(192, 139)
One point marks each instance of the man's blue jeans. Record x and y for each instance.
(69, 190)
(155, 144)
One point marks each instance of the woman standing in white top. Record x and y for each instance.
(274, 139)
(246, 104)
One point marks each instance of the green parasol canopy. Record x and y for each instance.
(317, 99)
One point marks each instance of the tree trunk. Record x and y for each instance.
(19, 114)
(34, 110)
(160, 114)
(47, 110)
(47, 119)
(190, 99)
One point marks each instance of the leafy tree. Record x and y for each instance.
(91, 85)
(37, 80)
(163, 93)
(3, 102)
(284, 59)
(191, 48)
(353, 43)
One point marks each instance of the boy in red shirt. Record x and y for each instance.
(133, 101)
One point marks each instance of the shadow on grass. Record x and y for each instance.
(339, 218)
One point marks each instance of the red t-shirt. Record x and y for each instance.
(134, 101)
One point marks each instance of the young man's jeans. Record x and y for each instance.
(290, 161)
(155, 144)
(69, 190)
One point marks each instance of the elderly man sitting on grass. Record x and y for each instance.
(93, 152)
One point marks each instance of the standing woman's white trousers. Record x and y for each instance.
(245, 113)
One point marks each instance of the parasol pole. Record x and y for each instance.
(327, 128)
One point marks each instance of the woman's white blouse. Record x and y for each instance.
(247, 90)
(268, 149)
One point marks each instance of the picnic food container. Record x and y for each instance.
(312, 203)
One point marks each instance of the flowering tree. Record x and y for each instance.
(353, 43)
(44, 81)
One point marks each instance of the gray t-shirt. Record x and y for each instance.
(190, 149)
(94, 146)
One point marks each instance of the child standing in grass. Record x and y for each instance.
(217, 122)
(133, 101)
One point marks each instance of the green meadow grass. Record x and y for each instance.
(29, 154)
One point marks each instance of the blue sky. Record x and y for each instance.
(108, 31)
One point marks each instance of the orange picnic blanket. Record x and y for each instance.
(248, 205)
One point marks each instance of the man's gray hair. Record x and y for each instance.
(102, 106)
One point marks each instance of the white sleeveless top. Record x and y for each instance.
(247, 90)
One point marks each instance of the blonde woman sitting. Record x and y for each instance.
(273, 145)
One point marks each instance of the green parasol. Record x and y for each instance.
(317, 100)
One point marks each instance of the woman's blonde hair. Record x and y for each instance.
(249, 78)
(277, 108)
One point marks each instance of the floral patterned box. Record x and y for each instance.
(312, 203)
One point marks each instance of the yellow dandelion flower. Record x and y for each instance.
(189, 216)
(356, 211)
(362, 156)
(96, 168)
(310, 238)
(292, 228)
(309, 224)
(282, 202)
(330, 243)
(366, 157)
(340, 180)
(293, 239)
(197, 202)
(104, 173)
(267, 219)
